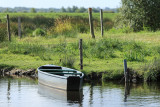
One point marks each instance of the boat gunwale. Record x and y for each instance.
(59, 76)
(52, 75)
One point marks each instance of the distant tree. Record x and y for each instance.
(51, 10)
(24, 11)
(33, 10)
(63, 9)
(74, 8)
(6, 10)
(81, 10)
(69, 9)
(95, 10)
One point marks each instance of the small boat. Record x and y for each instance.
(60, 77)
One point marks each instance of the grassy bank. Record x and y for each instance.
(100, 55)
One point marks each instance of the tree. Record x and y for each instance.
(81, 10)
(138, 14)
(69, 9)
(6, 10)
(33, 10)
(63, 9)
(74, 8)
(95, 10)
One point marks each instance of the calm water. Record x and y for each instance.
(25, 92)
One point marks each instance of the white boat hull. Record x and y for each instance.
(69, 83)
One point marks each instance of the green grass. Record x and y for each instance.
(100, 55)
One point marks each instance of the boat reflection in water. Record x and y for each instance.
(56, 94)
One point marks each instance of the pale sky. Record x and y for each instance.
(60, 3)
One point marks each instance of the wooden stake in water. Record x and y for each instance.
(19, 27)
(81, 54)
(8, 28)
(126, 73)
(91, 22)
(101, 20)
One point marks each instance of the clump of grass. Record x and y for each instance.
(63, 27)
(103, 48)
(27, 29)
(30, 49)
(134, 51)
(152, 70)
(121, 30)
(68, 61)
(39, 32)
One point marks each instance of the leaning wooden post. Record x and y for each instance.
(126, 73)
(101, 20)
(81, 54)
(91, 22)
(19, 27)
(8, 28)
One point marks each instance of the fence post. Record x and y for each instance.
(8, 28)
(91, 22)
(126, 72)
(81, 54)
(19, 27)
(101, 20)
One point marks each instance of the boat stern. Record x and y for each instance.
(74, 83)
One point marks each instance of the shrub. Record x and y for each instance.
(63, 27)
(39, 32)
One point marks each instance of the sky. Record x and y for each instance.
(60, 3)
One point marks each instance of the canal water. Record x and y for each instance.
(26, 92)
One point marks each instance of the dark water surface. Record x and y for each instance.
(25, 92)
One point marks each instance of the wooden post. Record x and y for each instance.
(3, 73)
(101, 20)
(19, 27)
(81, 54)
(91, 22)
(126, 73)
(8, 28)
(127, 91)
